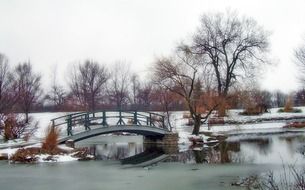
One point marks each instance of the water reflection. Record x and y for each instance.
(254, 149)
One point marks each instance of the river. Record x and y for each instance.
(125, 163)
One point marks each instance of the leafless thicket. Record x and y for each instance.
(8, 91)
(57, 94)
(28, 85)
(291, 179)
(87, 83)
(119, 85)
(300, 60)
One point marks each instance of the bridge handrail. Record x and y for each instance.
(138, 118)
(65, 116)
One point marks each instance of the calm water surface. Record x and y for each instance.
(132, 165)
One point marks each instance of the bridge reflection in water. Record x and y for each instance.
(233, 150)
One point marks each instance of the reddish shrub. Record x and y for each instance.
(13, 127)
(295, 125)
(216, 121)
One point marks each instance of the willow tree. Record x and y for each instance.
(183, 74)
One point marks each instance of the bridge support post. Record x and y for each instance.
(135, 118)
(104, 123)
(87, 122)
(53, 123)
(69, 125)
(121, 121)
(149, 120)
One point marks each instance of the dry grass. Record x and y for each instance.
(288, 105)
(291, 179)
(26, 155)
(252, 111)
(50, 143)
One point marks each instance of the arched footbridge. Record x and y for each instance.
(83, 125)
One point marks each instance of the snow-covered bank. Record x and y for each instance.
(242, 127)
(234, 115)
(34, 154)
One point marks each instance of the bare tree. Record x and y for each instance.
(87, 82)
(166, 98)
(181, 75)
(57, 94)
(300, 54)
(144, 96)
(28, 84)
(300, 60)
(118, 87)
(230, 45)
(8, 94)
(135, 85)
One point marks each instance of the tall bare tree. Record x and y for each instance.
(232, 46)
(118, 87)
(57, 94)
(300, 60)
(182, 74)
(87, 82)
(28, 84)
(135, 85)
(8, 93)
(144, 96)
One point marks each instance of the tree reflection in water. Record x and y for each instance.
(234, 150)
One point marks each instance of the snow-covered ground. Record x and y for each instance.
(234, 114)
(44, 121)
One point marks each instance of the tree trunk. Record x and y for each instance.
(197, 123)
(26, 117)
(222, 106)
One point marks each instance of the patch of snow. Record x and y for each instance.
(56, 158)
(44, 121)
(65, 158)
(8, 151)
(242, 127)
(234, 114)
(64, 147)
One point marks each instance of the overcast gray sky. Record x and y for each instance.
(62, 32)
